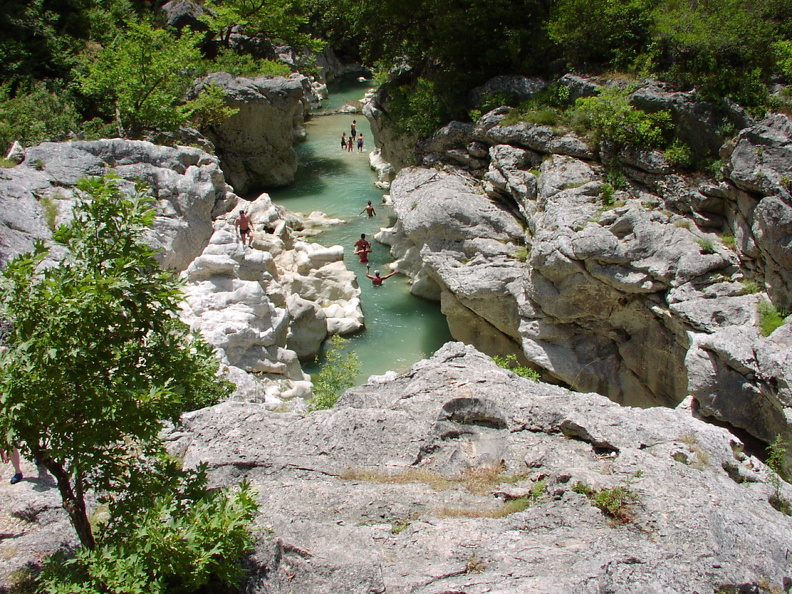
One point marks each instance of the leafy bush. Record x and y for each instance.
(615, 177)
(338, 373)
(246, 65)
(679, 155)
(522, 253)
(707, 245)
(421, 108)
(616, 503)
(543, 109)
(181, 539)
(43, 111)
(770, 318)
(50, 211)
(750, 287)
(510, 362)
(610, 117)
(490, 101)
(776, 462)
(606, 195)
(729, 240)
(209, 108)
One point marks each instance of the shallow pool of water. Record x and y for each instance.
(400, 328)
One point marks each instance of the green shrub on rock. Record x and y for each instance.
(609, 117)
(337, 374)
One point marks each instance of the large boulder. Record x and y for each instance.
(396, 148)
(737, 375)
(458, 475)
(184, 13)
(256, 144)
(512, 88)
(186, 182)
(270, 305)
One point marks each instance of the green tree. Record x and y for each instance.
(144, 75)
(472, 39)
(37, 112)
(96, 356)
(282, 20)
(706, 42)
(209, 108)
(43, 38)
(175, 537)
(610, 117)
(609, 33)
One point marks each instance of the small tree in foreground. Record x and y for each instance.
(97, 358)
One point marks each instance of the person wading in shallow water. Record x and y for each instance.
(376, 280)
(363, 248)
(368, 209)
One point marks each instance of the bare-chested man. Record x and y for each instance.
(244, 228)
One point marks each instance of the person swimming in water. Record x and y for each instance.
(376, 279)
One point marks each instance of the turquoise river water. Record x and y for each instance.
(400, 328)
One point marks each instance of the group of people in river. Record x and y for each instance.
(244, 226)
(363, 249)
(347, 144)
(362, 245)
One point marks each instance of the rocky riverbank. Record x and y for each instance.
(263, 308)
(459, 476)
(646, 293)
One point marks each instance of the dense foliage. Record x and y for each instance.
(79, 55)
(96, 360)
(96, 356)
(178, 537)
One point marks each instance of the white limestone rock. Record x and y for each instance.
(701, 507)
(255, 144)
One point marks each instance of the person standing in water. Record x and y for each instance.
(353, 129)
(369, 210)
(343, 141)
(360, 143)
(363, 248)
(376, 280)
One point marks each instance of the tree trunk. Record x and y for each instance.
(73, 504)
